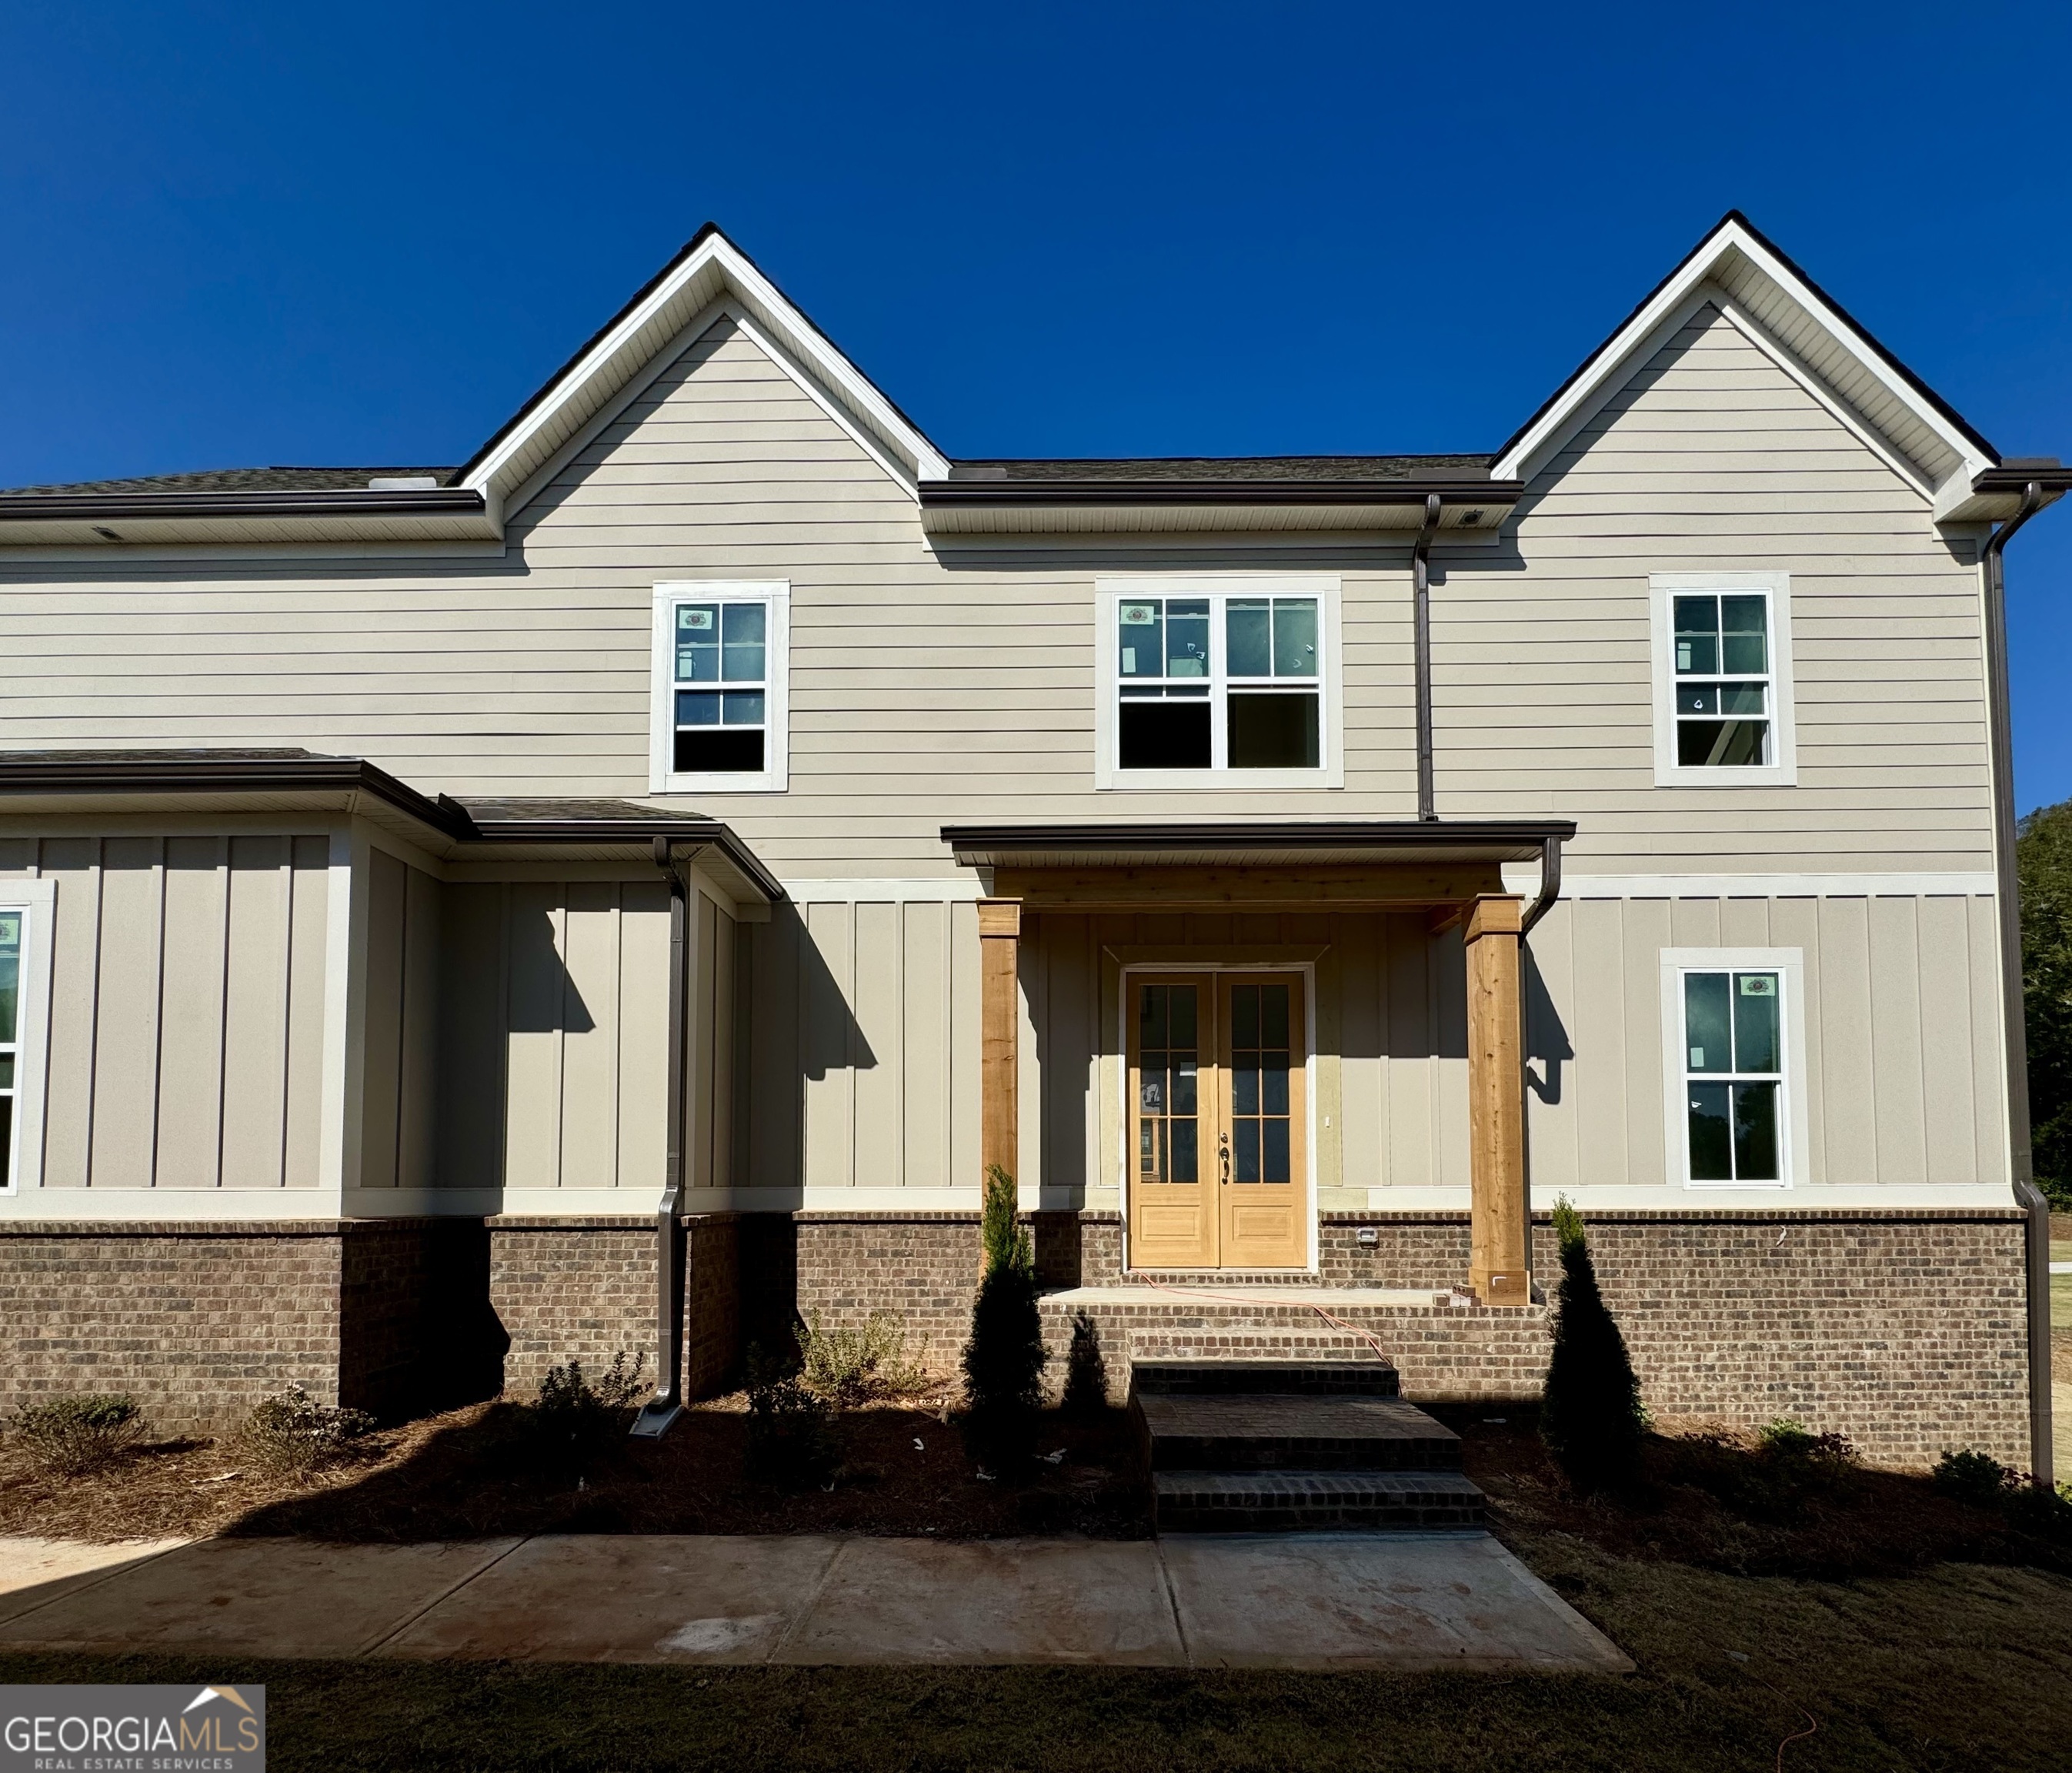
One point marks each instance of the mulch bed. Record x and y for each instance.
(1716, 1499)
(472, 1473)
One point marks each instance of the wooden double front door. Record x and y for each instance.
(1218, 1155)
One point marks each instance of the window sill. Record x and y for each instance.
(1216, 781)
(1724, 776)
(763, 782)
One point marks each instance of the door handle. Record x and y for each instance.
(1223, 1153)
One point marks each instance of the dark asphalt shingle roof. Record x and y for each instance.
(276, 480)
(1225, 467)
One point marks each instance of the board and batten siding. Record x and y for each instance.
(860, 1060)
(552, 1038)
(187, 1007)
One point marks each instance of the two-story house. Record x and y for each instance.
(636, 881)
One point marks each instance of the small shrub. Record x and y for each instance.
(575, 1417)
(1004, 1360)
(1976, 1478)
(852, 1367)
(293, 1433)
(73, 1436)
(791, 1440)
(1784, 1439)
(1591, 1416)
(1086, 1371)
(2045, 1510)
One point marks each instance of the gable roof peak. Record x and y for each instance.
(1739, 268)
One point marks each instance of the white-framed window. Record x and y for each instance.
(721, 668)
(1218, 682)
(1723, 702)
(25, 977)
(1734, 1066)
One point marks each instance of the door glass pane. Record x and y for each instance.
(1141, 645)
(1168, 1134)
(697, 642)
(1261, 1133)
(6, 1137)
(741, 637)
(10, 973)
(1248, 637)
(1755, 1133)
(1710, 1144)
(1755, 1022)
(1707, 1048)
(1244, 1151)
(1294, 637)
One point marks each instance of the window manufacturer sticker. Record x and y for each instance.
(1758, 985)
(1139, 615)
(699, 619)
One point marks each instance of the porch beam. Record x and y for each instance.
(1000, 1018)
(1499, 1266)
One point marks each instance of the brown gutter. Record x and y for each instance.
(1529, 835)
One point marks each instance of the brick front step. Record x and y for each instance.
(1296, 1501)
(1261, 1432)
(1365, 1375)
(1490, 1353)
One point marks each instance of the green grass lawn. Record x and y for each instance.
(1960, 1667)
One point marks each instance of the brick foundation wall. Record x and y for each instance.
(920, 1269)
(584, 1290)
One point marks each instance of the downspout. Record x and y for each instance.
(2015, 1033)
(1550, 891)
(661, 1411)
(1420, 582)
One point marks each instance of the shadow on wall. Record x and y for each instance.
(1546, 1036)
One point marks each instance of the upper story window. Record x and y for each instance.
(1722, 680)
(719, 682)
(1228, 683)
(1734, 1035)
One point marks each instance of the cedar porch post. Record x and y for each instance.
(1498, 1263)
(999, 943)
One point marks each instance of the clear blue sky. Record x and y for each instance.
(238, 234)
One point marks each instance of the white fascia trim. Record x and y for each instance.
(1111, 590)
(1525, 878)
(198, 1205)
(37, 901)
(1609, 366)
(1661, 590)
(761, 299)
(1790, 965)
(831, 1199)
(964, 890)
(775, 776)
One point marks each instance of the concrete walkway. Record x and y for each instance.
(1353, 1600)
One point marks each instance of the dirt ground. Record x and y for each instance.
(471, 1473)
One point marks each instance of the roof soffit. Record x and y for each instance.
(1772, 301)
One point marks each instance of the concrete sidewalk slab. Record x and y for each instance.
(1412, 1601)
(585, 1599)
(33, 1572)
(263, 1597)
(991, 1601)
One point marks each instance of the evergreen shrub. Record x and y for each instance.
(1591, 1417)
(1004, 1360)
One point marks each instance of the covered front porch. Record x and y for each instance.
(1246, 1032)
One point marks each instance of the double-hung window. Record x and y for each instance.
(1734, 1026)
(1723, 682)
(719, 683)
(1218, 684)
